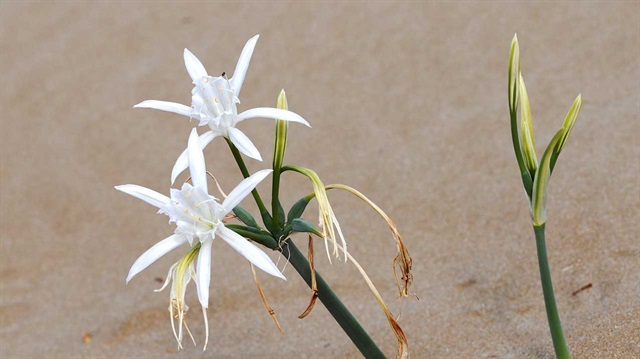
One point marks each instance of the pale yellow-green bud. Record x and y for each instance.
(569, 121)
(282, 101)
(514, 73)
(527, 141)
(541, 183)
(281, 132)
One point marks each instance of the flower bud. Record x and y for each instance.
(527, 141)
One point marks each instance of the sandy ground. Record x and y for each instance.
(407, 103)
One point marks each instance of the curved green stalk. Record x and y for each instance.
(245, 173)
(555, 326)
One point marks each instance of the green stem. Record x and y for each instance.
(275, 193)
(340, 313)
(245, 174)
(278, 158)
(549, 299)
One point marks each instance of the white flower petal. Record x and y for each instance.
(194, 67)
(243, 64)
(183, 160)
(152, 254)
(250, 251)
(196, 162)
(243, 189)
(203, 273)
(243, 143)
(274, 113)
(148, 195)
(178, 108)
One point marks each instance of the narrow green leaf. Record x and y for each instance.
(541, 183)
(281, 217)
(258, 236)
(268, 221)
(245, 217)
(298, 208)
(300, 225)
(245, 228)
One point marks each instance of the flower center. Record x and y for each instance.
(214, 101)
(194, 211)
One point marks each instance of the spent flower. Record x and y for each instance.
(181, 274)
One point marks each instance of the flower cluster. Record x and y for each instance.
(200, 217)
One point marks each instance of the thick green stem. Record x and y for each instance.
(340, 313)
(245, 174)
(549, 300)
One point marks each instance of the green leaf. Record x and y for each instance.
(254, 234)
(281, 217)
(300, 225)
(268, 221)
(245, 217)
(298, 208)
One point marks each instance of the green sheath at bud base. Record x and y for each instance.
(541, 183)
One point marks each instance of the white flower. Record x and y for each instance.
(213, 103)
(198, 214)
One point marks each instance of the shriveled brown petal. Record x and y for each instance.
(314, 286)
(403, 344)
(272, 313)
(402, 262)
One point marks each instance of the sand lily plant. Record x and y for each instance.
(535, 179)
(200, 217)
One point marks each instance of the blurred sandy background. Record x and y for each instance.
(407, 103)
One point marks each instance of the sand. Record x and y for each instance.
(408, 103)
